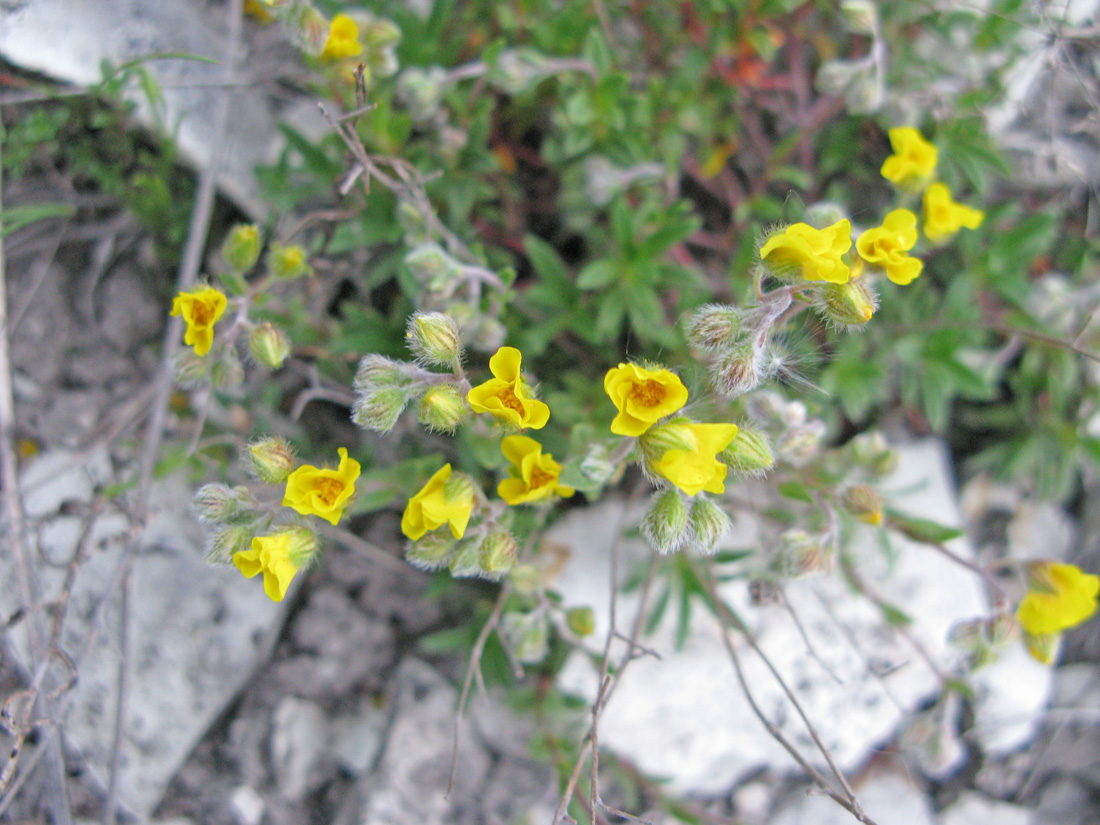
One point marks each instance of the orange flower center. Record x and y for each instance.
(649, 394)
(508, 398)
(540, 478)
(329, 489)
(201, 313)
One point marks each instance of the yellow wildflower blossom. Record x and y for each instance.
(1059, 596)
(886, 245)
(342, 40)
(506, 396)
(534, 474)
(442, 500)
(943, 217)
(322, 492)
(913, 161)
(200, 310)
(813, 254)
(697, 469)
(271, 556)
(642, 396)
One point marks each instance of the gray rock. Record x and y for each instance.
(359, 737)
(1065, 802)
(195, 632)
(300, 742)
(975, 809)
(887, 798)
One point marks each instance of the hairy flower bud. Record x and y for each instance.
(466, 560)
(1043, 646)
(666, 525)
(378, 409)
(380, 34)
(801, 443)
(497, 554)
(713, 327)
(527, 634)
(675, 435)
(861, 16)
(226, 371)
(303, 546)
(432, 551)
(849, 304)
(799, 553)
(218, 503)
(378, 371)
(433, 338)
(708, 523)
(270, 460)
(268, 345)
(227, 541)
(488, 335)
(863, 502)
(581, 620)
(242, 245)
(749, 453)
(596, 464)
(421, 90)
(433, 267)
(526, 579)
(517, 69)
(288, 262)
(737, 371)
(442, 408)
(190, 370)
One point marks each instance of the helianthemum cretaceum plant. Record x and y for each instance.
(322, 492)
(1059, 596)
(279, 557)
(642, 396)
(801, 251)
(886, 246)
(200, 310)
(914, 160)
(686, 454)
(506, 395)
(943, 217)
(534, 474)
(445, 499)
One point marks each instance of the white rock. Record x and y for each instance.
(195, 633)
(300, 739)
(887, 798)
(359, 737)
(247, 805)
(975, 809)
(684, 717)
(1011, 695)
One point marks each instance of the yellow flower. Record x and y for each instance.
(200, 310)
(258, 10)
(943, 217)
(1059, 596)
(271, 556)
(342, 40)
(442, 500)
(698, 468)
(812, 254)
(506, 396)
(322, 492)
(886, 246)
(913, 161)
(534, 476)
(642, 397)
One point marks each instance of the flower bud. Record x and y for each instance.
(378, 371)
(675, 435)
(268, 345)
(466, 561)
(748, 453)
(863, 502)
(308, 28)
(288, 262)
(227, 541)
(380, 34)
(824, 213)
(488, 335)
(800, 444)
(217, 503)
(421, 90)
(596, 464)
(713, 327)
(433, 267)
(233, 283)
(379, 409)
(517, 69)
(861, 16)
(433, 338)
(303, 546)
(581, 620)
(442, 408)
(226, 372)
(849, 304)
(432, 551)
(191, 370)
(458, 487)
(242, 245)
(737, 371)
(666, 525)
(1002, 629)
(526, 579)
(412, 222)
(798, 553)
(270, 460)
(527, 635)
(708, 523)
(1043, 647)
(497, 554)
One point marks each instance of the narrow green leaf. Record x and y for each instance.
(795, 490)
(919, 529)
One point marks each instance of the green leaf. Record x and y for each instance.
(795, 490)
(19, 216)
(598, 274)
(546, 261)
(919, 529)
(894, 616)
